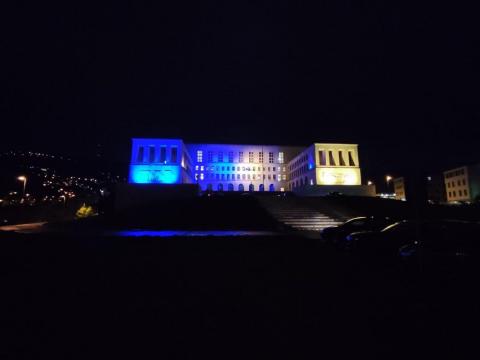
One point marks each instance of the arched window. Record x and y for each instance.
(220, 187)
(240, 187)
(261, 187)
(271, 187)
(230, 187)
(209, 187)
(251, 187)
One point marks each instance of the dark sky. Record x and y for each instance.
(401, 81)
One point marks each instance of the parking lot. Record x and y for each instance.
(233, 297)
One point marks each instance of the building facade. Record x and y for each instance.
(462, 184)
(225, 167)
(399, 189)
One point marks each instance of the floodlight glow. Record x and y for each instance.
(154, 174)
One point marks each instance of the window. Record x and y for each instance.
(243, 176)
(459, 183)
(250, 156)
(201, 176)
(240, 187)
(274, 168)
(454, 193)
(210, 157)
(174, 155)
(140, 154)
(199, 156)
(220, 187)
(230, 187)
(223, 168)
(331, 158)
(274, 177)
(217, 176)
(260, 157)
(464, 182)
(151, 154)
(280, 157)
(270, 157)
(465, 192)
(350, 159)
(230, 157)
(163, 154)
(322, 158)
(238, 176)
(340, 157)
(220, 156)
(240, 157)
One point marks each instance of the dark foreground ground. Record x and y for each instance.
(176, 298)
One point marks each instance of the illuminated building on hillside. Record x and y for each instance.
(225, 167)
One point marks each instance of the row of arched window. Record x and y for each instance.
(241, 187)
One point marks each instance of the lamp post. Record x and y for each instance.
(388, 178)
(369, 183)
(24, 179)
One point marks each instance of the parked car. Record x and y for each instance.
(455, 246)
(336, 234)
(386, 241)
(396, 236)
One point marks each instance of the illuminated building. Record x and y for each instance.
(399, 188)
(224, 167)
(462, 184)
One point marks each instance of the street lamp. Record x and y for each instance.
(388, 178)
(24, 179)
(369, 183)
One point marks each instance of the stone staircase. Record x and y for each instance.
(290, 212)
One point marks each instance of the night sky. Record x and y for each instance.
(401, 81)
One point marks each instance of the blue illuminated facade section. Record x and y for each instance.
(159, 161)
(155, 174)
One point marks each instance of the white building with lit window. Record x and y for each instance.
(225, 167)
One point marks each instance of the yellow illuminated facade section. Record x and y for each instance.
(337, 176)
(337, 164)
